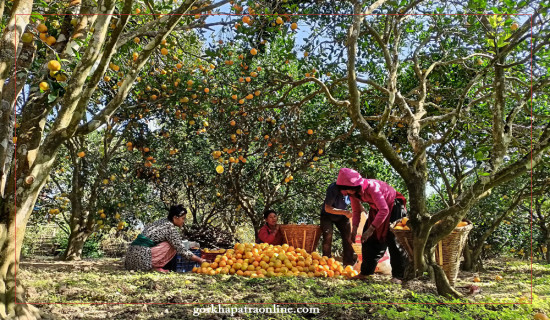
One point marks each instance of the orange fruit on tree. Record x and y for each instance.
(54, 65)
(279, 20)
(42, 28)
(51, 40)
(27, 37)
(44, 86)
(81, 154)
(309, 131)
(61, 77)
(294, 26)
(253, 51)
(43, 36)
(164, 51)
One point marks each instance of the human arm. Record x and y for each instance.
(174, 238)
(367, 233)
(380, 204)
(356, 209)
(198, 259)
(342, 212)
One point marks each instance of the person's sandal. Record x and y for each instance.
(396, 281)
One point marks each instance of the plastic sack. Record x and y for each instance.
(384, 266)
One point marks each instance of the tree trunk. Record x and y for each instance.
(77, 238)
(442, 284)
(80, 224)
(12, 232)
(468, 264)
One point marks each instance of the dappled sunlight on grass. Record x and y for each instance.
(104, 281)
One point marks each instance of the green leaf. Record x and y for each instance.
(52, 96)
(501, 42)
(484, 174)
(37, 16)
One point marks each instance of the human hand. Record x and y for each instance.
(348, 214)
(352, 236)
(367, 234)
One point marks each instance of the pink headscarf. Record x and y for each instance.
(349, 177)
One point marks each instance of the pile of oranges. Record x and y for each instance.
(402, 225)
(265, 260)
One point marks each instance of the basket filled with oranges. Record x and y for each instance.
(447, 251)
(211, 254)
(403, 235)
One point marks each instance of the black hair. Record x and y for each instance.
(176, 211)
(356, 188)
(268, 212)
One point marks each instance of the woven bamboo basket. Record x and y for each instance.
(447, 251)
(305, 236)
(210, 256)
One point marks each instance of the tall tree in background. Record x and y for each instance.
(55, 110)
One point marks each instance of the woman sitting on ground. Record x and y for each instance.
(270, 232)
(156, 246)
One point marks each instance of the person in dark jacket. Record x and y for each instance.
(334, 213)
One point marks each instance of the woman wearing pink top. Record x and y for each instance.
(386, 205)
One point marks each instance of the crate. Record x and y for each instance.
(184, 265)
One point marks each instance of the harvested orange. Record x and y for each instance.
(462, 224)
(540, 316)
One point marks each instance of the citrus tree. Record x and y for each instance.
(61, 60)
(429, 80)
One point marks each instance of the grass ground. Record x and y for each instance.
(101, 289)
